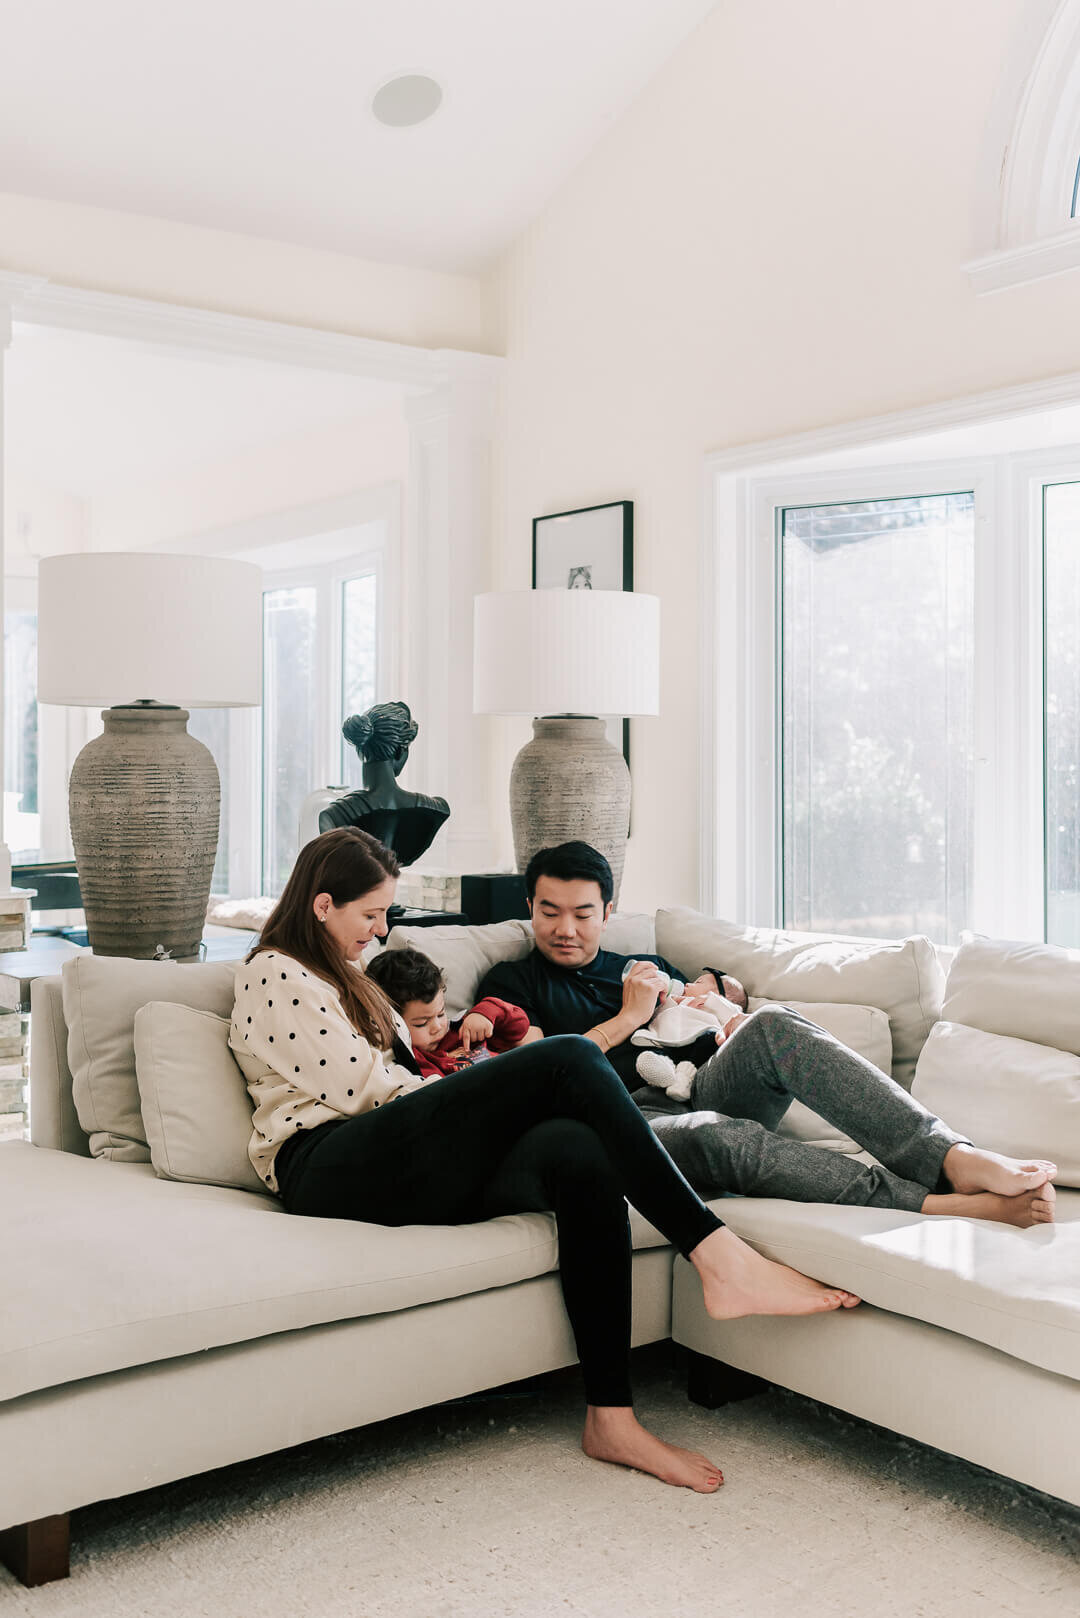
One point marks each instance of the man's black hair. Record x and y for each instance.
(570, 862)
(404, 975)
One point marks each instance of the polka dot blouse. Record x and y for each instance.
(302, 1058)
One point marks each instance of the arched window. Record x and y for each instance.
(1032, 192)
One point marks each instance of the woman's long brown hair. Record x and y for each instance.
(345, 863)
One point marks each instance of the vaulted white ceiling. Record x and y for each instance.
(254, 115)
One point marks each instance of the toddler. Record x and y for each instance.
(413, 983)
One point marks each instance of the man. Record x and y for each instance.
(723, 1138)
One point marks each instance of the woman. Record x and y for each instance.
(345, 1128)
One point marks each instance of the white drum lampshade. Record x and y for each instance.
(568, 656)
(146, 637)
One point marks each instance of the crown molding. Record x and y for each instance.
(1025, 397)
(1032, 261)
(41, 302)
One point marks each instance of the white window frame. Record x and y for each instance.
(1030, 163)
(1007, 879)
(1027, 475)
(328, 581)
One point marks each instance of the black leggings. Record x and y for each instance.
(547, 1126)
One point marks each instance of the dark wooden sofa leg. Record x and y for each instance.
(711, 1383)
(38, 1552)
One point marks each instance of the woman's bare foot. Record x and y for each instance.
(1029, 1208)
(738, 1281)
(613, 1433)
(969, 1168)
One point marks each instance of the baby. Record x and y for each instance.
(413, 983)
(686, 1012)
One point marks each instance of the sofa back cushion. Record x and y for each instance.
(901, 977)
(194, 1098)
(101, 996)
(1003, 1065)
(465, 954)
(1026, 991)
(1011, 1095)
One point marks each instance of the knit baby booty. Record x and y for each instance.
(656, 1069)
(661, 1072)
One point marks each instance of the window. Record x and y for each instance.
(211, 726)
(911, 669)
(22, 820)
(290, 724)
(359, 660)
(876, 715)
(1028, 192)
(320, 664)
(1061, 652)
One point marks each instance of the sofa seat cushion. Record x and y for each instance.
(107, 1266)
(1015, 1290)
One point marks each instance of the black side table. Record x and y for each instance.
(428, 918)
(494, 896)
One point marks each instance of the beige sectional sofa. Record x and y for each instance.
(152, 1294)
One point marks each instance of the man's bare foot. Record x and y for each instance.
(969, 1168)
(738, 1281)
(1029, 1208)
(613, 1433)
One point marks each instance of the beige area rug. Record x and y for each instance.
(486, 1508)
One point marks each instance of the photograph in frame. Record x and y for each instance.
(588, 549)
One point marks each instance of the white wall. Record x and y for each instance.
(107, 251)
(769, 240)
(40, 521)
(369, 451)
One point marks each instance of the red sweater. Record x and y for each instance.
(511, 1026)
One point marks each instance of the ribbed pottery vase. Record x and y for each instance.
(569, 784)
(144, 802)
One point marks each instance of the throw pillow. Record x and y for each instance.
(101, 996)
(195, 1103)
(902, 977)
(1011, 1095)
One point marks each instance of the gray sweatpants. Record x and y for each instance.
(722, 1138)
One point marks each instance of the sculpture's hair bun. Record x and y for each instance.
(357, 730)
(385, 731)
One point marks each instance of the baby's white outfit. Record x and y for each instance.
(673, 1026)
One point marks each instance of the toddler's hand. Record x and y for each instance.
(475, 1029)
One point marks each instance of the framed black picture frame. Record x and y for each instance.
(590, 548)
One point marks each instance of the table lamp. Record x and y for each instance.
(154, 635)
(568, 656)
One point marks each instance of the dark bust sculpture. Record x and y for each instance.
(405, 821)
